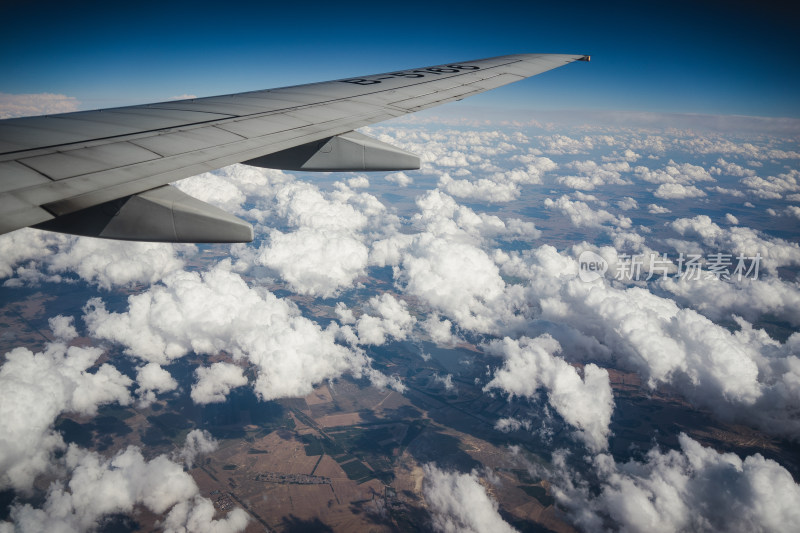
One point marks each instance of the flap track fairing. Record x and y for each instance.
(349, 152)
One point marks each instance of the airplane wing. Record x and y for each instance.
(105, 173)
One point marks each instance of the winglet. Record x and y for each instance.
(585, 58)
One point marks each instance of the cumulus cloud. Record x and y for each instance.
(531, 364)
(399, 178)
(216, 311)
(457, 279)
(722, 190)
(729, 168)
(507, 425)
(117, 263)
(592, 175)
(440, 215)
(459, 503)
(446, 381)
(628, 203)
(63, 327)
(582, 215)
(739, 240)
(744, 375)
(655, 209)
(674, 174)
(674, 191)
(391, 318)
(215, 382)
(37, 387)
(33, 256)
(359, 182)
(326, 249)
(198, 442)
(440, 331)
(773, 187)
(484, 190)
(24, 105)
(316, 262)
(691, 489)
(751, 299)
(98, 487)
(559, 144)
(217, 190)
(22, 251)
(152, 380)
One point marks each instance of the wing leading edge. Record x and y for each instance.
(93, 169)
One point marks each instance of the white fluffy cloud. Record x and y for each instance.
(655, 209)
(33, 256)
(316, 262)
(198, 442)
(22, 250)
(559, 144)
(582, 215)
(592, 175)
(399, 178)
(738, 240)
(586, 403)
(390, 318)
(693, 489)
(675, 191)
(152, 380)
(440, 215)
(215, 382)
(750, 299)
(440, 331)
(215, 311)
(99, 487)
(217, 190)
(674, 174)
(628, 203)
(34, 389)
(327, 246)
(745, 374)
(484, 190)
(459, 503)
(773, 187)
(455, 278)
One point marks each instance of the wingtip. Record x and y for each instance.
(585, 58)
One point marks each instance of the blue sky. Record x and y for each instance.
(708, 57)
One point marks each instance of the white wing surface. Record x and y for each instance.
(105, 173)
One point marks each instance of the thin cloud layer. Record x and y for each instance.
(26, 105)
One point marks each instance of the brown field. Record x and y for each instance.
(321, 394)
(343, 419)
(286, 505)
